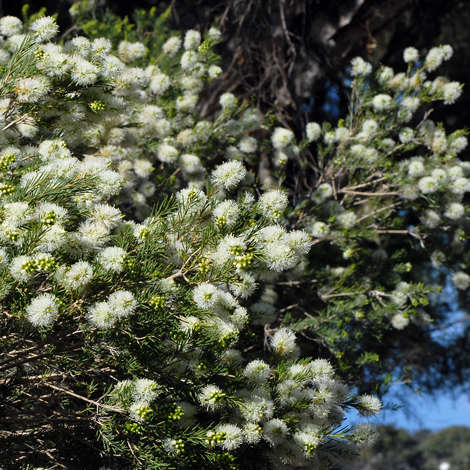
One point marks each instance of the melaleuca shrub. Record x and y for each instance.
(383, 196)
(128, 341)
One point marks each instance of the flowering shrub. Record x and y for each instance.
(155, 283)
(131, 337)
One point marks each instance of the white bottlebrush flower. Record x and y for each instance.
(186, 103)
(143, 167)
(279, 256)
(410, 103)
(78, 276)
(22, 268)
(172, 46)
(53, 238)
(191, 164)
(329, 138)
(382, 102)
(101, 315)
(281, 137)
(347, 219)
(240, 317)
(283, 342)
(460, 186)
(451, 92)
(275, 431)
(257, 408)
(206, 296)
(43, 310)
(107, 215)
(191, 84)
(167, 153)
(399, 82)
(319, 371)
(10, 25)
(252, 433)
(234, 127)
(257, 372)
(455, 172)
(434, 58)
(228, 248)
(211, 397)
(145, 390)
(363, 435)
(32, 89)
(399, 321)
(369, 126)
(139, 411)
(319, 230)
(454, 210)
(431, 219)
(52, 212)
(46, 28)
(3, 258)
(83, 72)
(369, 405)
(129, 51)
(192, 39)
(193, 200)
(406, 135)
(188, 60)
(323, 192)
(273, 203)
(93, 234)
(438, 259)
(387, 144)
(110, 183)
(461, 280)
(214, 71)
(17, 213)
(100, 48)
(248, 144)
(415, 168)
(226, 213)
(122, 303)
(233, 436)
(447, 51)
(411, 54)
(385, 75)
(313, 131)
(300, 242)
(112, 259)
(53, 150)
(228, 101)
(159, 83)
(188, 418)
(308, 440)
(459, 144)
(228, 175)
(360, 67)
(214, 33)
(428, 185)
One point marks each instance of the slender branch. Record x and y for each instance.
(365, 184)
(347, 191)
(378, 211)
(68, 392)
(345, 294)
